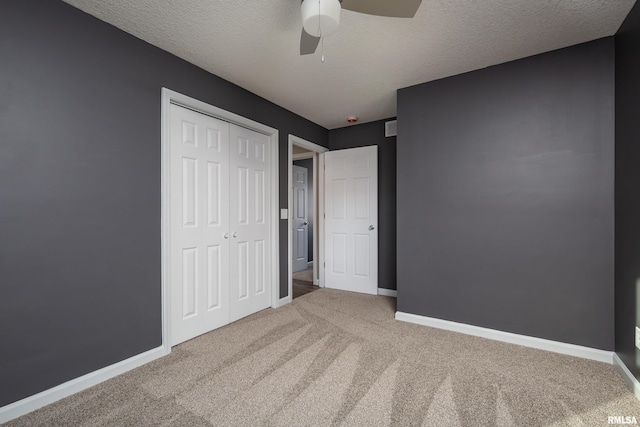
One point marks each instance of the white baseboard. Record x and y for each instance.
(627, 376)
(284, 301)
(47, 397)
(388, 292)
(508, 337)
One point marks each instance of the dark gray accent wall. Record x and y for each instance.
(505, 196)
(373, 134)
(308, 163)
(80, 189)
(627, 194)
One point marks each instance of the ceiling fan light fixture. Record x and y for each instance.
(320, 18)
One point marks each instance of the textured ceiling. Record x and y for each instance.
(255, 44)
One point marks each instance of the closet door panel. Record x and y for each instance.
(199, 221)
(249, 222)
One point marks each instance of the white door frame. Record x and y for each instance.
(170, 97)
(317, 152)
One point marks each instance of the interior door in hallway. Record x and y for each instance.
(351, 210)
(250, 219)
(199, 174)
(300, 220)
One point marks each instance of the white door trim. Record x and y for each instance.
(169, 97)
(321, 215)
(318, 195)
(302, 156)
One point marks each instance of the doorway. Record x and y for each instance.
(302, 212)
(305, 177)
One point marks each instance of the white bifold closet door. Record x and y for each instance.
(220, 216)
(249, 201)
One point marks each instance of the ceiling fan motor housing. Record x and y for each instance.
(320, 18)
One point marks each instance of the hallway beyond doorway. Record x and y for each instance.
(302, 283)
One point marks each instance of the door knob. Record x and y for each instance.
(371, 227)
(306, 223)
(226, 235)
(235, 234)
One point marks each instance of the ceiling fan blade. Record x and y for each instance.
(308, 43)
(390, 8)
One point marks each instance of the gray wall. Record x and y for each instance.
(80, 189)
(627, 197)
(505, 196)
(308, 163)
(373, 134)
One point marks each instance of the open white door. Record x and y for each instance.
(351, 210)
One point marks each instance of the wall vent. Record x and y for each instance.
(391, 128)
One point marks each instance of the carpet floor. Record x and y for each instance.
(333, 358)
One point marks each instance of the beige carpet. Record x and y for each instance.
(336, 358)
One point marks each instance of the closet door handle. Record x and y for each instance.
(226, 235)
(235, 234)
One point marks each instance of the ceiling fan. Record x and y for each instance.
(320, 18)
